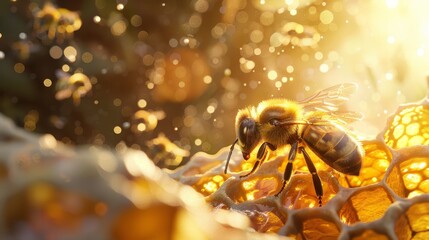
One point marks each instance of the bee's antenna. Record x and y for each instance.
(229, 155)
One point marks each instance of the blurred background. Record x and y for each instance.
(168, 76)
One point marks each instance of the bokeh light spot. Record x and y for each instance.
(70, 53)
(55, 52)
(118, 28)
(272, 75)
(19, 67)
(326, 17)
(47, 82)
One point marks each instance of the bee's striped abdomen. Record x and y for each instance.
(334, 146)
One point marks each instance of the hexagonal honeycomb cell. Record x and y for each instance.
(389, 199)
(415, 175)
(366, 205)
(409, 126)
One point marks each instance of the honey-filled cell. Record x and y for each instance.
(418, 217)
(374, 165)
(300, 193)
(415, 176)
(366, 205)
(370, 235)
(319, 229)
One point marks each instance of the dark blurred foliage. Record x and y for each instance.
(117, 66)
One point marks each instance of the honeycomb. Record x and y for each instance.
(388, 200)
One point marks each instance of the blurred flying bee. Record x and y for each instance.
(313, 123)
(164, 153)
(58, 23)
(75, 86)
(146, 121)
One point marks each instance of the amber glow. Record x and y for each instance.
(165, 78)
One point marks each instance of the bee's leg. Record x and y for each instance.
(316, 180)
(229, 155)
(288, 169)
(260, 156)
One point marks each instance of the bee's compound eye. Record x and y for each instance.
(248, 136)
(274, 122)
(246, 131)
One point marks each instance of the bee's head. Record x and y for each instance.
(248, 134)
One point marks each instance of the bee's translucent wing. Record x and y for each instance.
(328, 100)
(322, 118)
(323, 107)
(340, 117)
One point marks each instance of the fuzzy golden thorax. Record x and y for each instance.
(280, 110)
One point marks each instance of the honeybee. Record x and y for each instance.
(58, 23)
(313, 123)
(75, 86)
